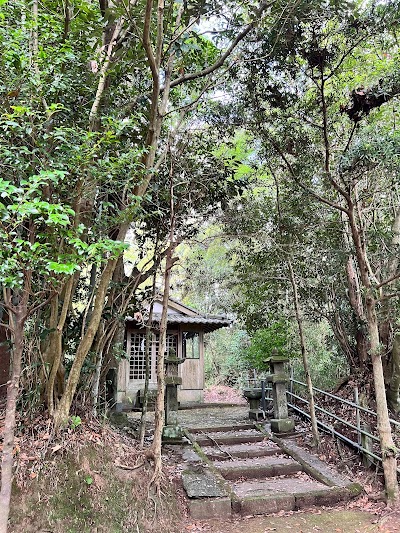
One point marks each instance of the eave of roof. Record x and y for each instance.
(209, 324)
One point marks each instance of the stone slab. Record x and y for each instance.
(325, 497)
(228, 437)
(315, 467)
(191, 456)
(243, 450)
(257, 467)
(266, 504)
(249, 432)
(271, 486)
(282, 425)
(204, 509)
(221, 428)
(202, 483)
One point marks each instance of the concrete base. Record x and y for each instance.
(267, 504)
(172, 435)
(282, 425)
(256, 414)
(200, 482)
(205, 508)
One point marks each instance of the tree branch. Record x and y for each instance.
(208, 70)
(387, 281)
(147, 42)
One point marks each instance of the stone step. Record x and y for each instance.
(207, 508)
(247, 472)
(244, 450)
(272, 495)
(207, 492)
(261, 467)
(228, 437)
(217, 429)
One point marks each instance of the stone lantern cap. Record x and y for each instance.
(277, 359)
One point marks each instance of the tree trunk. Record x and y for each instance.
(55, 345)
(385, 433)
(99, 349)
(299, 319)
(359, 314)
(18, 316)
(62, 412)
(149, 335)
(159, 407)
(392, 393)
(142, 425)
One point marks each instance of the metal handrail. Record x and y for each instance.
(360, 431)
(342, 420)
(343, 400)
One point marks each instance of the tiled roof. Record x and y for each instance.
(210, 323)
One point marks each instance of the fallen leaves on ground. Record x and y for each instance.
(223, 394)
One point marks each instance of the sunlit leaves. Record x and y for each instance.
(32, 232)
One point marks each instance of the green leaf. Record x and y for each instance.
(62, 268)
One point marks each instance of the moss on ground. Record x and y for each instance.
(86, 492)
(325, 521)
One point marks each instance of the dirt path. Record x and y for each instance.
(326, 521)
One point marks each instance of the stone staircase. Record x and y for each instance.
(246, 470)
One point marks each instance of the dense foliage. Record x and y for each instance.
(266, 130)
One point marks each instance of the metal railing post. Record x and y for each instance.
(358, 422)
(263, 395)
(291, 379)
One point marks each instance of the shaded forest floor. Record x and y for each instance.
(94, 478)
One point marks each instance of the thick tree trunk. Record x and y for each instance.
(385, 433)
(62, 411)
(18, 317)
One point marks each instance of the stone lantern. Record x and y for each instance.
(253, 396)
(172, 432)
(281, 423)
